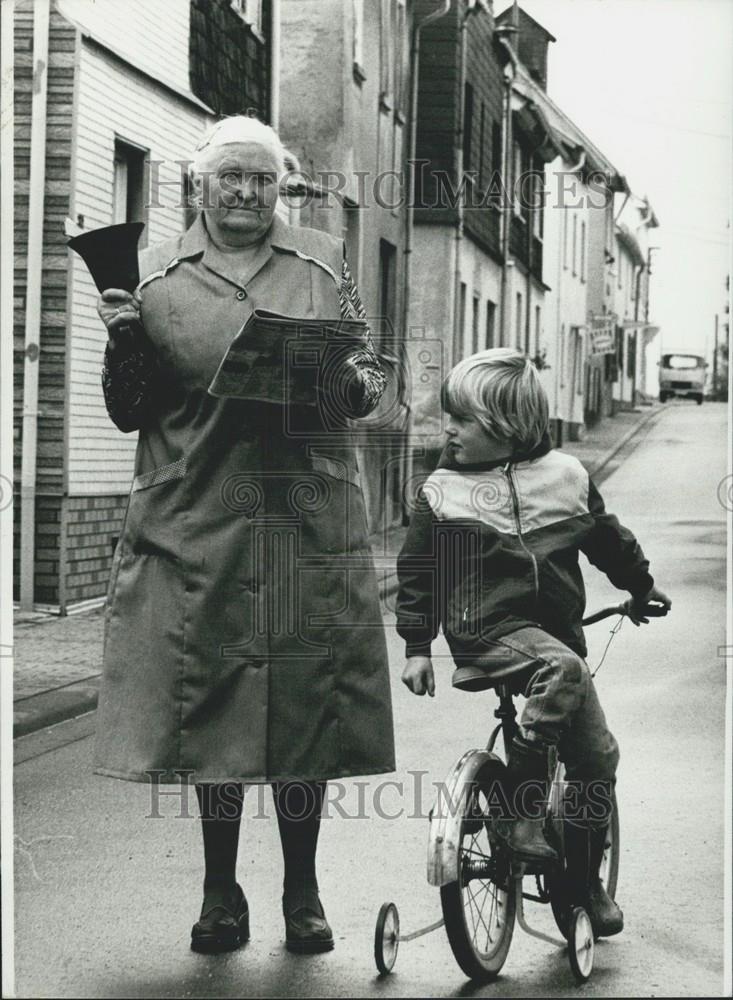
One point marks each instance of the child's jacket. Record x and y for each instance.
(493, 548)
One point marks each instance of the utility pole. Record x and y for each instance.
(715, 360)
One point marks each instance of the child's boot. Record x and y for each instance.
(584, 850)
(605, 914)
(527, 788)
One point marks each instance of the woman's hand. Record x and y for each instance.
(118, 309)
(418, 675)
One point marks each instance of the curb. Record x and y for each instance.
(47, 708)
(69, 701)
(615, 448)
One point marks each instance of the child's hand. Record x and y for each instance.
(635, 609)
(418, 675)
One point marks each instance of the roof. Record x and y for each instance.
(565, 130)
(506, 15)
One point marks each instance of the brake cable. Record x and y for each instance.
(616, 628)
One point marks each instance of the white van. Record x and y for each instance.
(682, 375)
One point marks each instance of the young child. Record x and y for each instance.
(491, 555)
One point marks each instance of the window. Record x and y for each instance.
(537, 329)
(386, 59)
(619, 263)
(351, 233)
(582, 251)
(251, 12)
(188, 195)
(575, 243)
(475, 324)
(460, 325)
(481, 157)
(467, 124)
(561, 352)
(516, 180)
(490, 323)
(128, 196)
(496, 164)
(358, 41)
(400, 70)
(519, 337)
(387, 293)
(537, 202)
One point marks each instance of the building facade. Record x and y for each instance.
(344, 90)
(126, 93)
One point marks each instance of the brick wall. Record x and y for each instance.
(229, 65)
(93, 524)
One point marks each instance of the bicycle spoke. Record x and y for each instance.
(478, 911)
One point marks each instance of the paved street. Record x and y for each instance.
(106, 895)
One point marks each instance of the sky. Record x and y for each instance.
(650, 82)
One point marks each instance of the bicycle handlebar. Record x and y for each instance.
(648, 611)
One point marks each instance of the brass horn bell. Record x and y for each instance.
(110, 253)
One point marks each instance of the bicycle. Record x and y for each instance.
(464, 848)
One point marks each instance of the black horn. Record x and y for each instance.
(110, 253)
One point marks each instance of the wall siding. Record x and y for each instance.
(114, 100)
(229, 64)
(151, 33)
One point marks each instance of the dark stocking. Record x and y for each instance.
(298, 805)
(221, 815)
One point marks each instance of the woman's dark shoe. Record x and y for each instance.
(222, 928)
(306, 928)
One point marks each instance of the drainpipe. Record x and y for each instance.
(33, 302)
(410, 214)
(275, 64)
(506, 153)
(458, 159)
(637, 286)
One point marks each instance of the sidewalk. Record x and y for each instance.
(58, 660)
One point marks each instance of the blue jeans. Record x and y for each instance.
(562, 708)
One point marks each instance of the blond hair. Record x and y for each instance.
(502, 390)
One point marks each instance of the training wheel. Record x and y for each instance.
(386, 938)
(580, 944)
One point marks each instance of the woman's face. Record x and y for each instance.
(238, 187)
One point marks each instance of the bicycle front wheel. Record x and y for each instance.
(479, 907)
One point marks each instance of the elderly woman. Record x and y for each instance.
(243, 637)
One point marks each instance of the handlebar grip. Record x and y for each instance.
(616, 609)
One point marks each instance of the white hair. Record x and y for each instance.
(239, 128)
(501, 388)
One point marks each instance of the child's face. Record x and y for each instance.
(469, 442)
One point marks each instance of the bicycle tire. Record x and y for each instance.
(459, 904)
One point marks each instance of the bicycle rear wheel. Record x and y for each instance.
(479, 907)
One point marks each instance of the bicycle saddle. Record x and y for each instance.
(474, 677)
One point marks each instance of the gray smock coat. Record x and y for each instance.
(243, 636)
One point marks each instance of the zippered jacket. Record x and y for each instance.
(493, 547)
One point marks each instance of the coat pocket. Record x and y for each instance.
(157, 511)
(163, 474)
(336, 468)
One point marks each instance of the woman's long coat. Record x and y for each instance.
(243, 634)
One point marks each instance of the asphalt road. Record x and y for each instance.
(106, 895)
